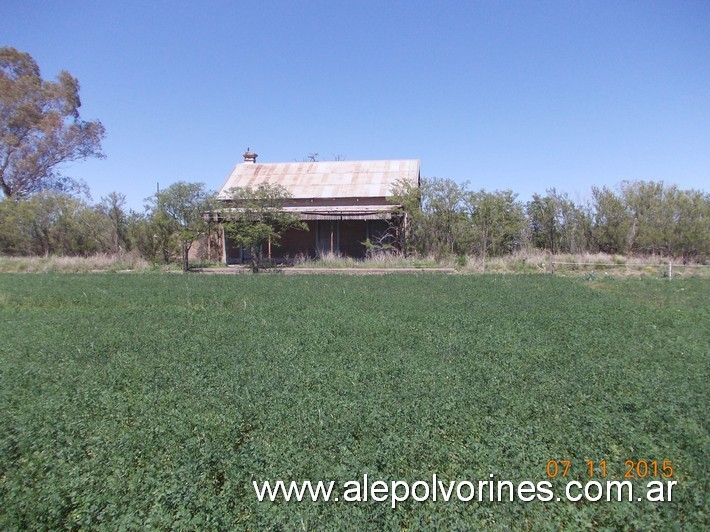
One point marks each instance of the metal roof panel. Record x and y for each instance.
(328, 179)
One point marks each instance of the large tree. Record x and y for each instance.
(40, 127)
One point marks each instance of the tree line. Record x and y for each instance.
(54, 222)
(638, 217)
(444, 218)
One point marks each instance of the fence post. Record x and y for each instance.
(552, 264)
(670, 269)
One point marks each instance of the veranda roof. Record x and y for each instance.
(359, 212)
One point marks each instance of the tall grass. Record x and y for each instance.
(523, 261)
(103, 262)
(382, 260)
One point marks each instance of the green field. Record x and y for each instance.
(147, 400)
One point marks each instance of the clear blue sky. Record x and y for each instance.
(503, 94)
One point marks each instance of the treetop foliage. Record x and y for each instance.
(40, 127)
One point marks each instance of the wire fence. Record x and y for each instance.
(665, 269)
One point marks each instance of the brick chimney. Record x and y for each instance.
(250, 156)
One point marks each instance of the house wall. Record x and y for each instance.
(232, 251)
(207, 248)
(352, 234)
(348, 238)
(295, 242)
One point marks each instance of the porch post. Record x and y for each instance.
(224, 245)
(209, 237)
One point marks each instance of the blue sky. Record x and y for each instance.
(503, 94)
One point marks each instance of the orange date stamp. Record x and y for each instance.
(632, 469)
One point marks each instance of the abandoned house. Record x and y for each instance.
(343, 203)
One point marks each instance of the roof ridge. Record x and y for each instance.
(349, 161)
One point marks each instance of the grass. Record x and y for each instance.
(520, 262)
(536, 261)
(154, 401)
(103, 262)
(383, 260)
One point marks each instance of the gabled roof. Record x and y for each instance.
(332, 179)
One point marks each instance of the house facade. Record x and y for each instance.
(343, 203)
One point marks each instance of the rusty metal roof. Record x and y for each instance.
(332, 179)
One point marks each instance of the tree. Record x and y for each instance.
(665, 219)
(544, 225)
(258, 218)
(442, 202)
(612, 221)
(52, 223)
(575, 224)
(497, 220)
(142, 237)
(179, 211)
(16, 234)
(693, 224)
(40, 128)
(435, 219)
(408, 216)
(112, 206)
(557, 224)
